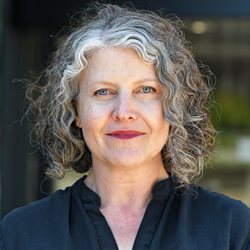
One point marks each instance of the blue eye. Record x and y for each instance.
(102, 92)
(147, 89)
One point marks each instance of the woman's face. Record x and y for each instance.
(120, 109)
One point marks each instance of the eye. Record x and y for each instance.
(147, 89)
(102, 92)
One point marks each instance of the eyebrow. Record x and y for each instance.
(113, 83)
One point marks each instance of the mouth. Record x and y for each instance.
(125, 134)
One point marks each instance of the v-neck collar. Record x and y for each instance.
(91, 204)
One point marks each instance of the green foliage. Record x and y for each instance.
(232, 111)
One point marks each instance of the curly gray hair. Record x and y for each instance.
(158, 41)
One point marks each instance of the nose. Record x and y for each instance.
(124, 109)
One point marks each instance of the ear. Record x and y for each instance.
(78, 122)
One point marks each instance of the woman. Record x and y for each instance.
(124, 100)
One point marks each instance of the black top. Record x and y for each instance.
(191, 219)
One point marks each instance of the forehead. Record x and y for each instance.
(120, 64)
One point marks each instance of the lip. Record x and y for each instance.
(125, 134)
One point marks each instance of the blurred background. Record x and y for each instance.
(219, 32)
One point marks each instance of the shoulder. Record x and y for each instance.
(41, 208)
(214, 210)
(206, 202)
(33, 221)
(217, 202)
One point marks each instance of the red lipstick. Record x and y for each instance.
(125, 134)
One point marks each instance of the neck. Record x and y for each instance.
(123, 187)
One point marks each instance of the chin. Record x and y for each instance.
(127, 161)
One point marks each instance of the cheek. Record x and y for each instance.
(92, 117)
(158, 121)
(154, 112)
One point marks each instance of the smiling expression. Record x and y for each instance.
(120, 109)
